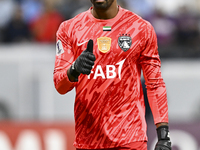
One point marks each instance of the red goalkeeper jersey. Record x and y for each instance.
(109, 105)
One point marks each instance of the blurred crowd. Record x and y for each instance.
(38, 21)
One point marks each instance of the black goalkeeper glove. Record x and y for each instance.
(164, 142)
(84, 62)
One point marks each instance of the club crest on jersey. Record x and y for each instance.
(59, 48)
(124, 42)
(104, 44)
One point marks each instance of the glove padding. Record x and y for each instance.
(164, 142)
(84, 62)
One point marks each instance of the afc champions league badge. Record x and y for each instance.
(59, 48)
(124, 42)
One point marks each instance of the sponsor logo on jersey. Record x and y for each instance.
(104, 44)
(124, 42)
(112, 71)
(59, 48)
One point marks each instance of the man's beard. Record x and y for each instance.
(104, 5)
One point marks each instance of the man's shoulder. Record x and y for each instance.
(79, 16)
(130, 14)
(136, 20)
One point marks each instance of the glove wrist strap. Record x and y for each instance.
(74, 72)
(163, 133)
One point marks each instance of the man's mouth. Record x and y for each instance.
(99, 1)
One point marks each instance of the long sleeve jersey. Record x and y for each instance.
(109, 105)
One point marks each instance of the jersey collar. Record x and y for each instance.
(119, 14)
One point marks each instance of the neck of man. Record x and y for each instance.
(105, 14)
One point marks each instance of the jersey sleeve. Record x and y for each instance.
(156, 89)
(63, 61)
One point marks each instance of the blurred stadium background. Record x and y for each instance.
(34, 116)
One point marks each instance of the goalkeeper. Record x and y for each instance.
(101, 53)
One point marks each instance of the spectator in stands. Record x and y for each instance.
(17, 30)
(7, 11)
(45, 26)
(165, 27)
(187, 27)
(144, 8)
(83, 6)
(31, 9)
(69, 8)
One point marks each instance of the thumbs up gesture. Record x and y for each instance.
(84, 62)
